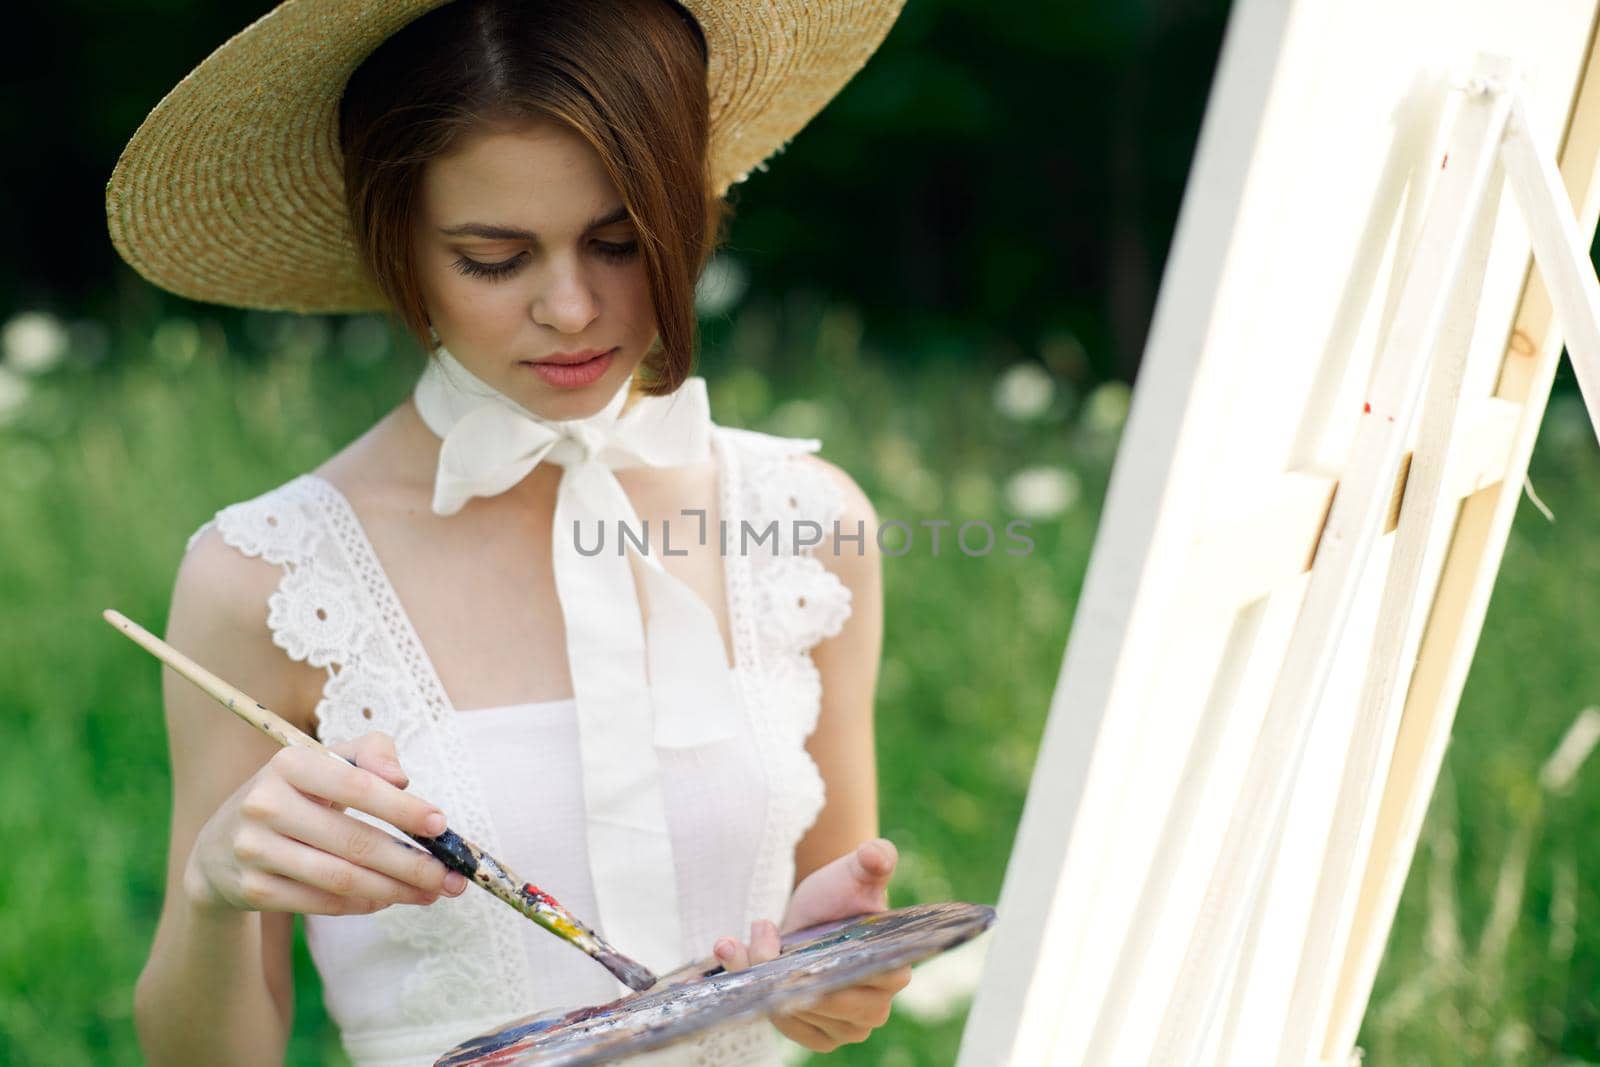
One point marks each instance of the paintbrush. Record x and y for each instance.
(450, 848)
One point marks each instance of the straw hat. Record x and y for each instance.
(231, 190)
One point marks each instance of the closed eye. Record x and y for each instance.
(472, 268)
(611, 251)
(617, 252)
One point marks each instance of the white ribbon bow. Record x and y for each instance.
(688, 698)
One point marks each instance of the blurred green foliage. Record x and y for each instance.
(1006, 179)
(109, 465)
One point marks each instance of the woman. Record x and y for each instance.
(672, 738)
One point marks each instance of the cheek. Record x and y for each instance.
(474, 307)
(631, 298)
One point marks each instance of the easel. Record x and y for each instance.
(1492, 128)
(1490, 141)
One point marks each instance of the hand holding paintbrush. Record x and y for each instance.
(454, 851)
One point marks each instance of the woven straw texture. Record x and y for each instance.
(230, 191)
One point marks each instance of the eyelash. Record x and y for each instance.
(616, 253)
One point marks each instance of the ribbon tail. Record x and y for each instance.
(629, 843)
(693, 691)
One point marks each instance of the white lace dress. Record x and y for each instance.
(407, 983)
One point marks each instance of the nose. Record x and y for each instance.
(565, 302)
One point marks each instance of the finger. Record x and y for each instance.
(313, 773)
(373, 752)
(732, 954)
(874, 861)
(264, 891)
(889, 981)
(852, 1006)
(840, 1031)
(376, 752)
(288, 858)
(803, 1032)
(765, 944)
(343, 835)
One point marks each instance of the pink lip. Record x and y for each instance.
(568, 358)
(572, 370)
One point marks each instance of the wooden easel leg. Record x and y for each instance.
(1560, 252)
(1422, 537)
(1360, 505)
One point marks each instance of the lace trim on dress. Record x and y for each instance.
(335, 609)
(788, 603)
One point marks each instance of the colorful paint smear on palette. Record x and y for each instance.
(702, 995)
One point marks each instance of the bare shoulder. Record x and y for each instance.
(857, 505)
(221, 587)
(856, 562)
(218, 617)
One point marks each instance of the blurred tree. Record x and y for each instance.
(79, 79)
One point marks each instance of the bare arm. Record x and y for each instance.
(843, 743)
(840, 869)
(217, 987)
(259, 832)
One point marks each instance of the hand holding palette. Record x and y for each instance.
(699, 996)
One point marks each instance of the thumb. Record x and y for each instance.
(873, 862)
(854, 883)
(869, 868)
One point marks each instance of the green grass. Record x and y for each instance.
(111, 465)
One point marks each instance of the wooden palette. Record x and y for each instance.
(702, 995)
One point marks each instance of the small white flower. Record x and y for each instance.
(721, 285)
(1024, 391)
(14, 390)
(34, 342)
(1106, 408)
(1041, 492)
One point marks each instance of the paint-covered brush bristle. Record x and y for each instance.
(635, 976)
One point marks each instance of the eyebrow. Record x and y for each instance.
(511, 233)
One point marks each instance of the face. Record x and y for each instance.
(524, 250)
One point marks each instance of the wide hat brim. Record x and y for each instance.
(231, 190)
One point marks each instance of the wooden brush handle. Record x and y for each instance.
(449, 848)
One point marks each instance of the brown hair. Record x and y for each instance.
(627, 75)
